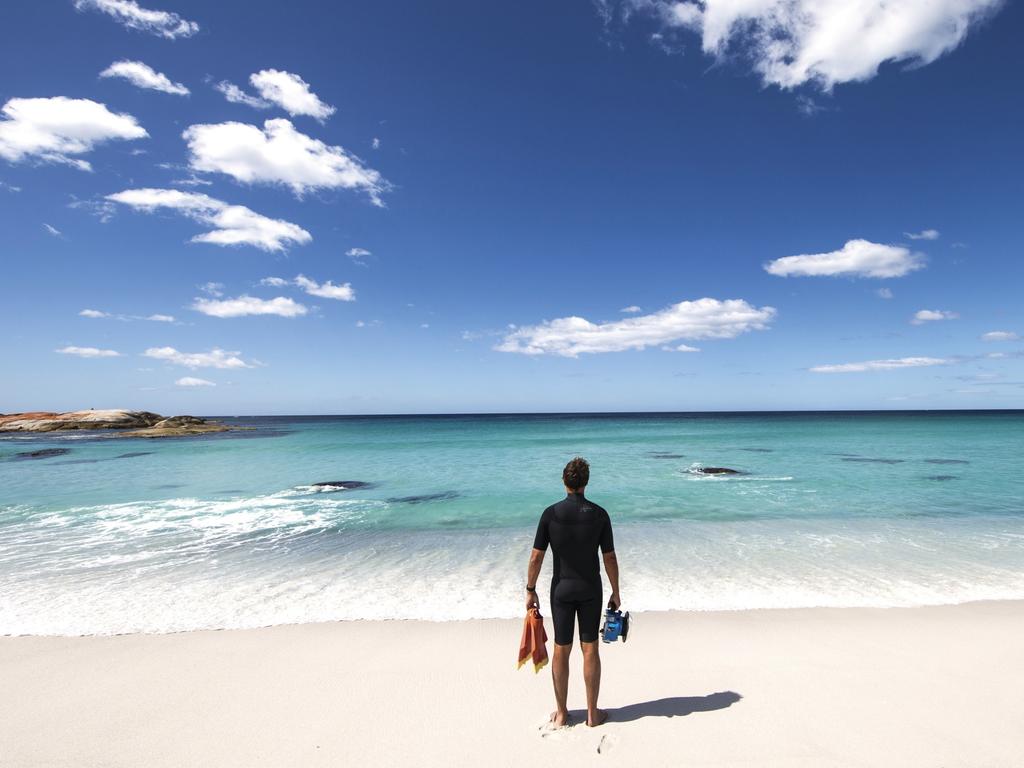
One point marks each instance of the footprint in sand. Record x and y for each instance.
(607, 743)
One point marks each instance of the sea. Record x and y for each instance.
(106, 535)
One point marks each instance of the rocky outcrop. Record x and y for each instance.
(128, 423)
(716, 471)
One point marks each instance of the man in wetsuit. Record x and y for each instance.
(575, 527)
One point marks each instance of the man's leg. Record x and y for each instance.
(592, 679)
(560, 676)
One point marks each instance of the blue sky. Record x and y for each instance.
(519, 175)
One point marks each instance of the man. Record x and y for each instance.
(575, 527)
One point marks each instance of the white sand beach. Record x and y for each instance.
(934, 686)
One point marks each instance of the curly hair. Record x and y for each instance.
(576, 474)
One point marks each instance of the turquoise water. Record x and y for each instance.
(837, 509)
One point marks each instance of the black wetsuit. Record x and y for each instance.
(575, 527)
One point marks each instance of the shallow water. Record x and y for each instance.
(229, 531)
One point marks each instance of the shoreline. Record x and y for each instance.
(929, 685)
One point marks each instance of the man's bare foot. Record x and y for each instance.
(597, 719)
(559, 719)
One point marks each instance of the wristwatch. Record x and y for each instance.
(531, 589)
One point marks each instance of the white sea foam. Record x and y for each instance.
(190, 563)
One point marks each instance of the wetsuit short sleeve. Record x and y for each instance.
(607, 542)
(541, 540)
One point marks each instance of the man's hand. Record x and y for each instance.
(531, 600)
(614, 602)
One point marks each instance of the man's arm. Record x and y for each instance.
(532, 574)
(611, 567)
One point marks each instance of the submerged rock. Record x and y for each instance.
(42, 453)
(420, 499)
(946, 461)
(940, 477)
(665, 455)
(865, 460)
(716, 471)
(342, 485)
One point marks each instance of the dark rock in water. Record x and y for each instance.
(443, 496)
(716, 471)
(133, 454)
(42, 453)
(946, 461)
(940, 477)
(342, 485)
(665, 455)
(874, 461)
(758, 450)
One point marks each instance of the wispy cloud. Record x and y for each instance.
(212, 289)
(924, 234)
(700, 319)
(632, 309)
(99, 314)
(884, 293)
(279, 154)
(130, 14)
(52, 130)
(233, 224)
(143, 76)
(52, 230)
(882, 365)
(87, 352)
(790, 43)
(244, 306)
(192, 381)
(358, 255)
(326, 290)
(284, 89)
(923, 316)
(215, 358)
(857, 258)
(1000, 336)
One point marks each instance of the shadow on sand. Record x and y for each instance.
(675, 706)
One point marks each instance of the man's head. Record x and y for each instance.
(576, 474)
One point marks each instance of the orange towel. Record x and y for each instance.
(532, 644)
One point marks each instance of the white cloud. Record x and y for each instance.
(52, 230)
(1000, 336)
(881, 365)
(96, 313)
(249, 305)
(924, 234)
(700, 319)
(682, 348)
(53, 129)
(632, 309)
(285, 89)
(236, 95)
(233, 224)
(88, 352)
(884, 293)
(130, 14)
(290, 92)
(790, 43)
(858, 258)
(143, 76)
(929, 315)
(212, 288)
(376, 143)
(9, 187)
(328, 290)
(192, 381)
(215, 358)
(358, 255)
(278, 154)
